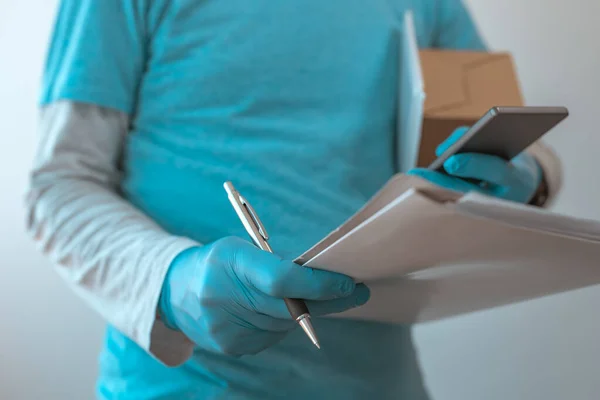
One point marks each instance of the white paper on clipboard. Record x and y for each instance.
(411, 98)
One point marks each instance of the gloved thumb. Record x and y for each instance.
(450, 140)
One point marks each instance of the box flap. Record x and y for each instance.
(465, 85)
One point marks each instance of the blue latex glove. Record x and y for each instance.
(517, 180)
(228, 296)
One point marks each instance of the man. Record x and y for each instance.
(149, 106)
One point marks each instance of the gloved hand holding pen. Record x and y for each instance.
(228, 296)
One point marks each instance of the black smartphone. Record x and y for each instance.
(504, 132)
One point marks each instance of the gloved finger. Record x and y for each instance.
(446, 181)
(453, 138)
(282, 278)
(277, 309)
(360, 297)
(482, 167)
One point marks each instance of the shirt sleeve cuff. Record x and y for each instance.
(170, 347)
(552, 169)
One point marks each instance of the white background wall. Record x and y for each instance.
(48, 338)
(545, 349)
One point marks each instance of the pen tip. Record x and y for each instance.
(310, 331)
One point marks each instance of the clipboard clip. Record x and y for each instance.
(261, 228)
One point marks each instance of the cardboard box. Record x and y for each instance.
(460, 87)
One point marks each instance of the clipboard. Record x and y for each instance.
(411, 98)
(429, 254)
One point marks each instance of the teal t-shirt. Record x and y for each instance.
(293, 100)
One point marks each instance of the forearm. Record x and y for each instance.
(109, 252)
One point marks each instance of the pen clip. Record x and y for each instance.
(259, 225)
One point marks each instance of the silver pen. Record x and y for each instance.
(258, 233)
